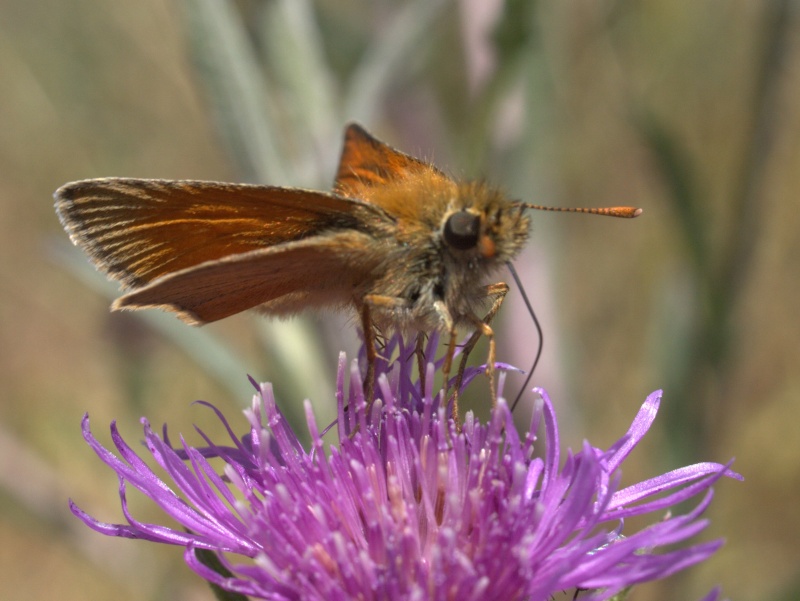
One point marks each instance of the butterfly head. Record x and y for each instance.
(483, 225)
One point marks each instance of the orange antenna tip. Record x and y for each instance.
(626, 212)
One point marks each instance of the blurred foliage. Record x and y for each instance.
(688, 109)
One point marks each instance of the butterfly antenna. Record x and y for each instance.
(624, 212)
(538, 330)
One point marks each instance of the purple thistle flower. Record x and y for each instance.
(409, 506)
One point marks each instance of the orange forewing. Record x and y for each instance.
(368, 163)
(139, 230)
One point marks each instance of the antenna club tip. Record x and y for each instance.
(627, 212)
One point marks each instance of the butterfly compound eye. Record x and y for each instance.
(462, 230)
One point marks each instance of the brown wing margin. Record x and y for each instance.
(139, 230)
(320, 271)
(367, 162)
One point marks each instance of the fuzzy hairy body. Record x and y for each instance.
(420, 269)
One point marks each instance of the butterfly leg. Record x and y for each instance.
(419, 351)
(482, 328)
(370, 302)
(449, 326)
(369, 347)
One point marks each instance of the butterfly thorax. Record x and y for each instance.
(449, 239)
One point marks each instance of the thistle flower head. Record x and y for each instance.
(407, 505)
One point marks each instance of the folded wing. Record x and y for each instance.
(139, 230)
(322, 271)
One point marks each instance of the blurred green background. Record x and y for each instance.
(688, 109)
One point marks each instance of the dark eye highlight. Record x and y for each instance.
(462, 229)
